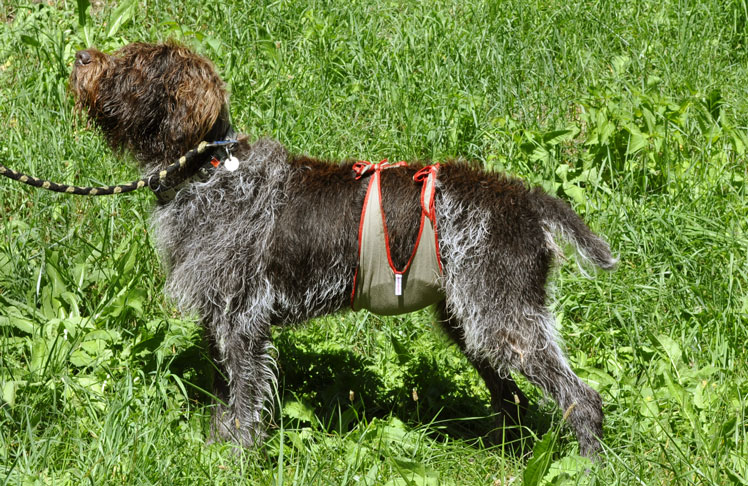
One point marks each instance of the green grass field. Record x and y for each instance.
(634, 112)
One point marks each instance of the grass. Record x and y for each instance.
(634, 112)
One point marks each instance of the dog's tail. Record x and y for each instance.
(559, 219)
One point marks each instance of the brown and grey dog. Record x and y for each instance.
(275, 241)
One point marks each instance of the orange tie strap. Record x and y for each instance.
(363, 166)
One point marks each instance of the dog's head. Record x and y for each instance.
(156, 100)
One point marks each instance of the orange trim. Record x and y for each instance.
(387, 236)
(361, 229)
(422, 176)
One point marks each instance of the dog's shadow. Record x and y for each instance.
(341, 387)
(335, 381)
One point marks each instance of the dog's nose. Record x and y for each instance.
(82, 58)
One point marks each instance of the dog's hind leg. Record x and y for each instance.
(539, 358)
(517, 335)
(506, 397)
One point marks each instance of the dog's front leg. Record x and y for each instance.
(243, 382)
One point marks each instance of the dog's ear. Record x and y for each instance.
(222, 127)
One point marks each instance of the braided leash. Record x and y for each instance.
(156, 182)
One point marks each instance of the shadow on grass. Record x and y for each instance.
(343, 387)
(335, 381)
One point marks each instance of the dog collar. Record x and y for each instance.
(201, 170)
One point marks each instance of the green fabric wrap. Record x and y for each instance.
(376, 285)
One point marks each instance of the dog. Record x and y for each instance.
(274, 239)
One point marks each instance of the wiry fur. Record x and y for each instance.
(275, 242)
